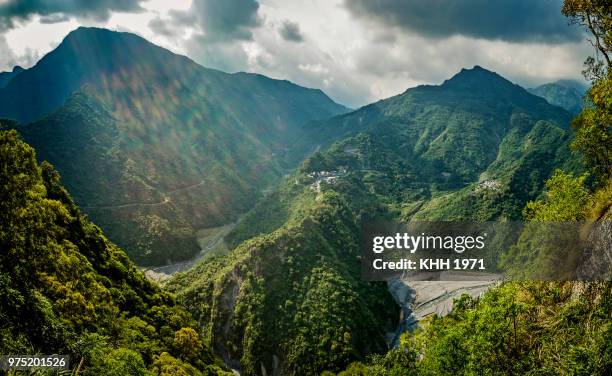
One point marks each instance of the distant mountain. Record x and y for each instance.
(579, 86)
(289, 296)
(5, 77)
(67, 290)
(152, 145)
(567, 94)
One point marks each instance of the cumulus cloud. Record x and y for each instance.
(290, 31)
(508, 20)
(220, 31)
(357, 62)
(12, 11)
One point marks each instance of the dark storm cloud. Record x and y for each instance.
(54, 18)
(222, 19)
(290, 31)
(55, 10)
(509, 20)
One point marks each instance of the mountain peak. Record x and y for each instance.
(579, 86)
(475, 75)
(93, 31)
(84, 38)
(480, 81)
(6, 77)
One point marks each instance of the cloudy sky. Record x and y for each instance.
(357, 51)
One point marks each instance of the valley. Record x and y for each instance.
(162, 218)
(419, 300)
(210, 240)
(299, 243)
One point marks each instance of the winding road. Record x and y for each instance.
(166, 199)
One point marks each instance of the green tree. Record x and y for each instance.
(596, 17)
(188, 344)
(119, 362)
(166, 365)
(565, 200)
(593, 125)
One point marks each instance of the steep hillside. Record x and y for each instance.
(151, 143)
(123, 63)
(292, 300)
(565, 94)
(519, 326)
(67, 290)
(456, 127)
(253, 301)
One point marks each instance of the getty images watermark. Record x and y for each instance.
(508, 250)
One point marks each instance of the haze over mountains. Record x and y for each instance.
(567, 94)
(152, 145)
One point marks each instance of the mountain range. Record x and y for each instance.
(155, 147)
(288, 295)
(152, 145)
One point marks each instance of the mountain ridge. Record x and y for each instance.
(6, 77)
(459, 100)
(86, 67)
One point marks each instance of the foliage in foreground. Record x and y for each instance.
(67, 290)
(521, 328)
(529, 327)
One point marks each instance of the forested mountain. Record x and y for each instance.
(152, 145)
(67, 290)
(280, 185)
(289, 296)
(474, 101)
(476, 131)
(567, 94)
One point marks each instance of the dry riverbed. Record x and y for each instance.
(419, 299)
(209, 239)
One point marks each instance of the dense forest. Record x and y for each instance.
(67, 290)
(263, 304)
(282, 293)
